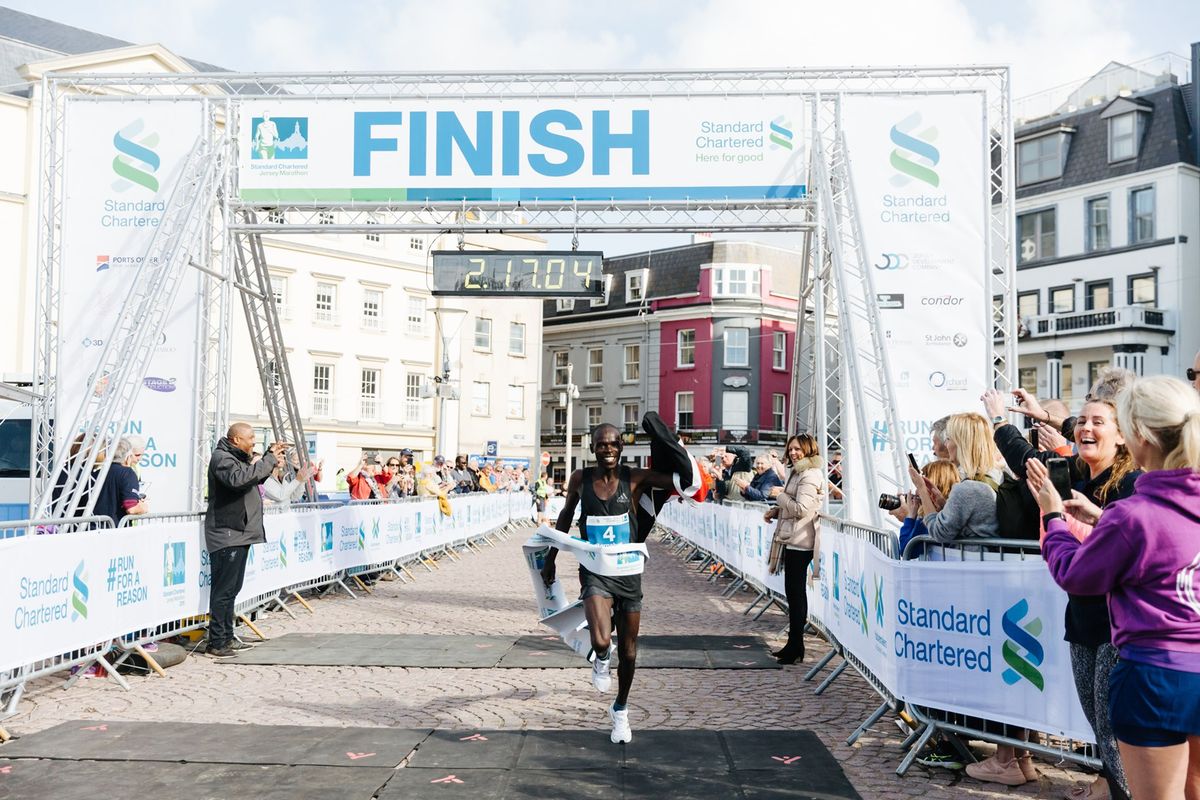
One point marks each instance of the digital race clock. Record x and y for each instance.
(543, 273)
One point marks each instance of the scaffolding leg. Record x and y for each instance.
(876, 715)
(833, 676)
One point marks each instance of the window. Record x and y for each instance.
(415, 243)
(372, 309)
(1062, 300)
(1029, 304)
(325, 306)
(779, 412)
(279, 293)
(564, 304)
(560, 368)
(1027, 377)
(414, 410)
(369, 408)
(1094, 370)
(685, 410)
(595, 365)
(736, 281)
(631, 415)
(686, 341)
(1143, 290)
(1141, 215)
(1122, 136)
(516, 402)
(595, 416)
(416, 315)
(635, 285)
(373, 236)
(483, 334)
(481, 398)
(735, 409)
(1098, 296)
(737, 347)
(778, 351)
(602, 300)
(1097, 224)
(633, 362)
(322, 390)
(325, 218)
(560, 420)
(1068, 380)
(275, 216)
(1036, 234)
(1040, 159)
(516, 338)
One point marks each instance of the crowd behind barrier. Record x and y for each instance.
(969, 631)
(80, 597)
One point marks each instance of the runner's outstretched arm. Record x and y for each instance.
(563, 523)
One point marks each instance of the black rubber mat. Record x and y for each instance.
(296, 763)
(418, 651)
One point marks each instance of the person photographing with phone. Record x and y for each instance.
(232, 523)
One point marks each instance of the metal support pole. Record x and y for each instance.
(833, 676)
(875, 716)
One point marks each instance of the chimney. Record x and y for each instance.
(1196, 101)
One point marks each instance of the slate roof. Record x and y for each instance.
(25, 38)
(1166, 140)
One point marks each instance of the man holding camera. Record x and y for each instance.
(233, 522)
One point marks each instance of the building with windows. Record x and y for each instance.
(1108, 231)
(702, 333)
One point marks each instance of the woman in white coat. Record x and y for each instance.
(797, 535)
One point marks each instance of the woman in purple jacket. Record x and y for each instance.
(1144, 553)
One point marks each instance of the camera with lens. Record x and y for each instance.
(890, 502)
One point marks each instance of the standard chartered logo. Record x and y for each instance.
(914, 156)
(1022, 638)
(136, 162)
(781, 133)
(79, 595)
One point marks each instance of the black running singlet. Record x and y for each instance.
(610, 521)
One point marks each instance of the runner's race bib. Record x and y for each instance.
(612, 530)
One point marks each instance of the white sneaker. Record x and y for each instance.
(621, 731)
(602, 672)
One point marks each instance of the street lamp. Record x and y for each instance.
(449, 320)
(567, 398)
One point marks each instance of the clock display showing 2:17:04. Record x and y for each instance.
(530, 274)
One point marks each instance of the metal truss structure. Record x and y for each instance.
(836, 318)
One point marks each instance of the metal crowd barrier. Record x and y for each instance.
(12, 529)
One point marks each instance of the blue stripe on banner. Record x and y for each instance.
(782, 191)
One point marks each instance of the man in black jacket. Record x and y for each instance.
(233, 522)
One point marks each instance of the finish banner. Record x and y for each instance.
(62, 592)
(509, 150)
(983, 638)
(121, 163)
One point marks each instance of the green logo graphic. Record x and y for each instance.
(1022, 638)
(914, 156)
(879, 604)
(79, 596)
(282, 552)
(862, 596)
(136, 162)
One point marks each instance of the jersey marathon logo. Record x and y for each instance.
(1022, 638)
(135, 162)
(914, 155)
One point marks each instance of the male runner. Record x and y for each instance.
(609, 493)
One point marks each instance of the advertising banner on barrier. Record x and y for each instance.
(983, 638)
(480, 149)
(121, 163)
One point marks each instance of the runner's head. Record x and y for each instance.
(607, 445)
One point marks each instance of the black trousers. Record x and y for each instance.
(795, 576)
(228, 571)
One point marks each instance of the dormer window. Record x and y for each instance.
(602, 300)
(635, 285)
(1042, 158)
(1123, 137)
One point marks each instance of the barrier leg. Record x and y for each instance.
(279, 602)
(342, 583)
(771, 601)
(913, 735)
(833, 676)
(300, 599)
(820, 665)
(733, 586)
(4, 735)
(246, 621)
(150, 662)
(757, 600)
(911, 756)
(404, 568)
(876, 715)
(360, 583)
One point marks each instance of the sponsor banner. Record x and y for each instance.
(983, 638)
(920, 175)
(62, 592)
(381, 150)
(121, 163)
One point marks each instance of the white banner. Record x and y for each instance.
(983, 638)
(61, 592)
(919, 165)
(660, 148)
(121, 162)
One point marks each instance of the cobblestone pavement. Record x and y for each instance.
(489, 593)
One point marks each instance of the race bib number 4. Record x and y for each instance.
(608, 530)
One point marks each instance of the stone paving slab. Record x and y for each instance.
(488, 594)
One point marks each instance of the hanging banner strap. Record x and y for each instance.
(609, 560)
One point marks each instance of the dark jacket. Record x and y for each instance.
(759, 489)
(235, 507)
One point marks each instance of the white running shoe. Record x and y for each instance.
(621, 731)
(602, 672)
